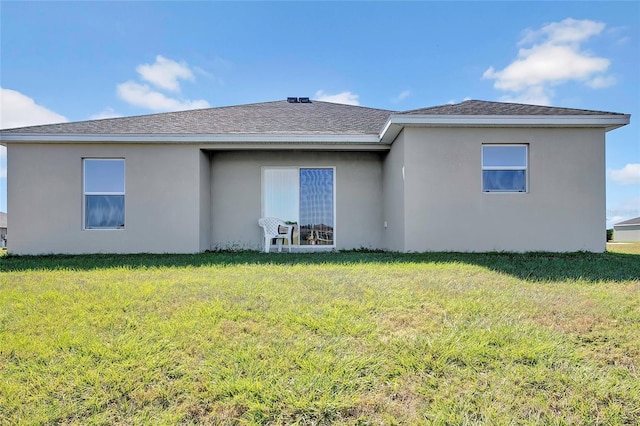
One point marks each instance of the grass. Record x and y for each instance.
(331, 338)
(629, 248)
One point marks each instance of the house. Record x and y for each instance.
(3, 229)
(473, 176)
(627, 231)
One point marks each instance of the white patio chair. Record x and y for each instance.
(276, 229)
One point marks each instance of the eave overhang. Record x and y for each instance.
(216, 141)
(397, 122)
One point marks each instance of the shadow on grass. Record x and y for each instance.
(527, 266)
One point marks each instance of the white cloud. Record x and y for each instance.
(546, 64)
(601, 82)
(143, 96)
(628, 175)
(402, 96)
(567, 31)
(555, 56)
(164, 73)
(339, 98)
(18, 110)
(105, 113)
(536, 95)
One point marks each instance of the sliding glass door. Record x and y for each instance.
(303, 196)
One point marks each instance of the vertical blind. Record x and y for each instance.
(280, 193)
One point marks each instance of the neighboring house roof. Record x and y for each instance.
(3, 220)
(634, 221)
(308, 122)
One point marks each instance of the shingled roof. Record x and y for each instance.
(313, 119)
(264, 118)
(474, 107)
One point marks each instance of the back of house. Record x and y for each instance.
(473, 176)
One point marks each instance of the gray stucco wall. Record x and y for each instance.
(162, 201)
(183, 199)
(205, 200)
(393, 184)
(563, 210)
(236, 195)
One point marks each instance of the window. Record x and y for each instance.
(303, 196)
(504, 168)
(103, 193)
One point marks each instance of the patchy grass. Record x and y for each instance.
(332, 338)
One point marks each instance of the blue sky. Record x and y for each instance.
(70, 61)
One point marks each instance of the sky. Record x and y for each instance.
(83, 60)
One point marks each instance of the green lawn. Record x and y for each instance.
(332, 338)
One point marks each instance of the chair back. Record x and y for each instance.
(270, 225)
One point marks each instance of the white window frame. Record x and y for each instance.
(85, 193)
(298, 168)
(505, 168)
